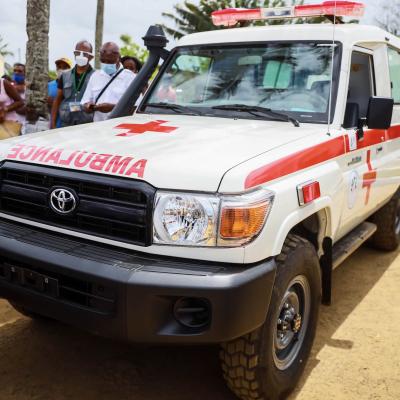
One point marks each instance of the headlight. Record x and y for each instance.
(186, 219)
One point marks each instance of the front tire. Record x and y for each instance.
(268, 362)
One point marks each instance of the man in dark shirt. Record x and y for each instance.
(62, 64)
(71, 87)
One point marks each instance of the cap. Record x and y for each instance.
(66, 60)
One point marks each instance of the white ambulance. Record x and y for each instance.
(259, 159)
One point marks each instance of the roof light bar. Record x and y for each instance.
(231, 16)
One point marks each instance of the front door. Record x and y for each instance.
(364, 156)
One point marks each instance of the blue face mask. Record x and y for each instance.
(18, 79)
(109, 69)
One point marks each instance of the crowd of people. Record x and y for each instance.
(80, 94)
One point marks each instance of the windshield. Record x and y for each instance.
(290, 78)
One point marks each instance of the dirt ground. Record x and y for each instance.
(356, 355)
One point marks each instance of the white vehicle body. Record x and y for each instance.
(218, 211)
(221, 155)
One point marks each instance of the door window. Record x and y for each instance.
(394, 70)
(361, 85)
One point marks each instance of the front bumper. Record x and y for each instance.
(129, 295)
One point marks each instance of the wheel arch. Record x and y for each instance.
(316, 227)
(313, 222)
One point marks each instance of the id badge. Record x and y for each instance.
(74, 106)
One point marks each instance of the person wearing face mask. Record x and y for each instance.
(71, 86)
(106, 87)
(62, 64)
(18, 75)
(18, 81)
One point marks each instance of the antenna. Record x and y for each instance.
(332, 64)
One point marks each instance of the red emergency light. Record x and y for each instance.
(231, 16)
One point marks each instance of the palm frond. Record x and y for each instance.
(3, 49)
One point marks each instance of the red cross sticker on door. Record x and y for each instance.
(152, 126)
(369, 177)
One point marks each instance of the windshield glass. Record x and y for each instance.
(290, 78)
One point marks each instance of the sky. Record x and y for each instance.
(74, 20)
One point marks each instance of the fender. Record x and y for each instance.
(299, 215)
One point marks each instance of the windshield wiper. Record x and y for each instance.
(258, 109)
(175, 107)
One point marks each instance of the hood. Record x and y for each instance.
(167, 151)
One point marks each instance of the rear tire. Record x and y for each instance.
(267, 363)
(387, 220)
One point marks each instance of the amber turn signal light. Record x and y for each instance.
(242, 222)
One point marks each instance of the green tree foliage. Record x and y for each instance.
(130, 48)
(52, 75)
(3, 48)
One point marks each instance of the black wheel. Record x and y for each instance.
(387, 220)
(267, 363)
(27, 313)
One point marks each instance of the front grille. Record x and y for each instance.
(110, 207)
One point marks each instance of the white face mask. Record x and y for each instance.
(81, 61)
(82, 57)
(60, 71)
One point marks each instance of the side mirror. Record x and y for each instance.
(380, 111)
(351, 116)
(352, 119)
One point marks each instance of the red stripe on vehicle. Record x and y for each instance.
(393, 132)
(371, 138)
(297, 161)
(317, 154)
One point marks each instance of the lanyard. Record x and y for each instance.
(78, 87)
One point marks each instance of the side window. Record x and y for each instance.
(394, 70)
(361, 85)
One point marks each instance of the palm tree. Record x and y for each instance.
(99, 32)
(37, 58)
(3, 49)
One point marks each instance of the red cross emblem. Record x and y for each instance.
(138, 129)
(369, 177)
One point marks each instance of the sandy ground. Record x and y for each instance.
(356, 355)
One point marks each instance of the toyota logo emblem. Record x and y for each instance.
(63, 201)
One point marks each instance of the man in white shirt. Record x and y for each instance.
(106, 86)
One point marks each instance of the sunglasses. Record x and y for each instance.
(82, 53)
